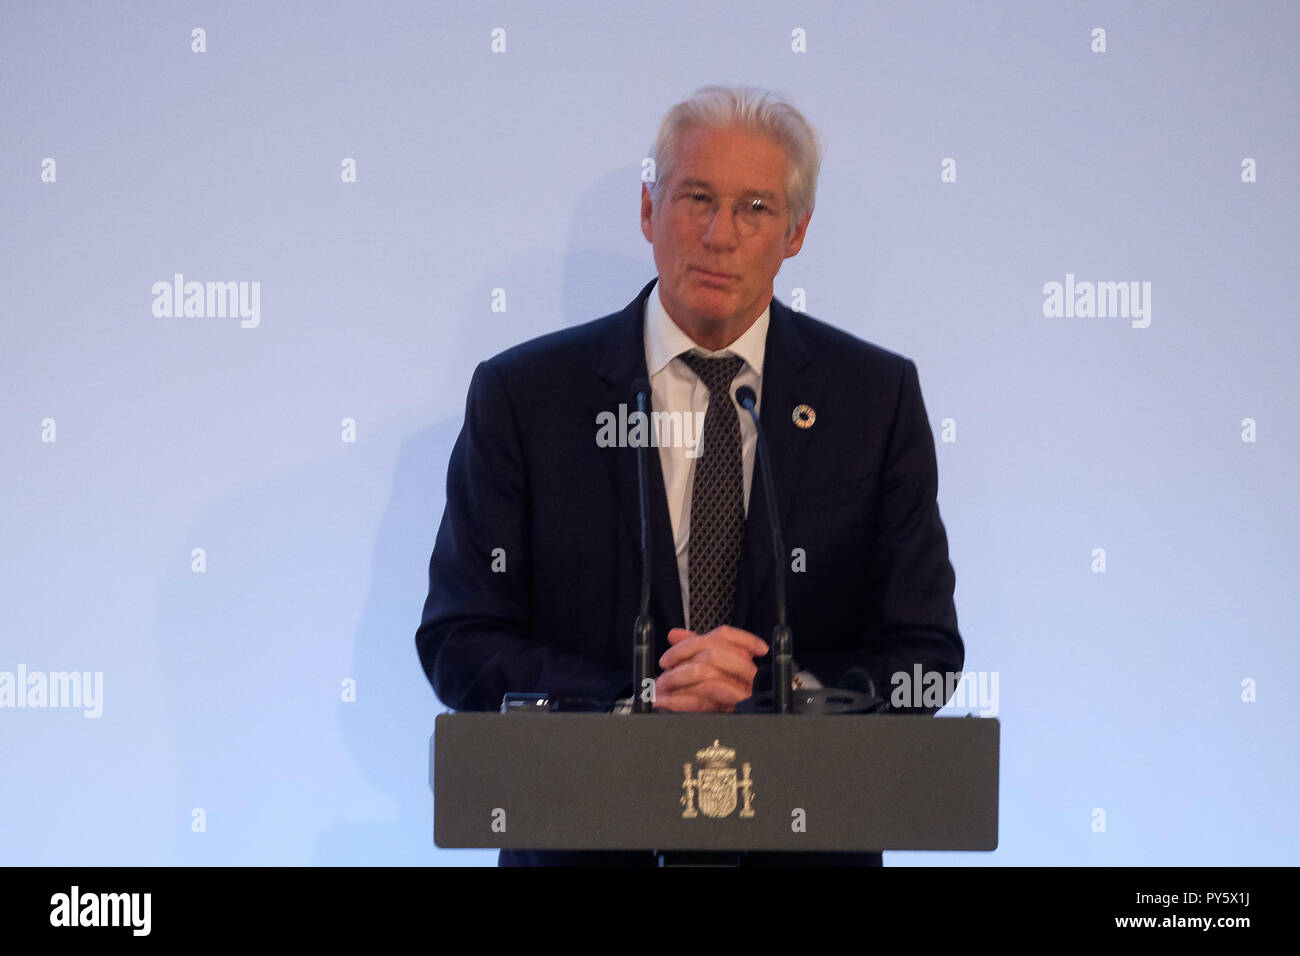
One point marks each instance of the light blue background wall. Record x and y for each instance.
(520, 170)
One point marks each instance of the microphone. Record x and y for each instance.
(859, 695)
(643, 634)
(782, 640)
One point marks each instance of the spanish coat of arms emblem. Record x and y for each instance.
(712, 780)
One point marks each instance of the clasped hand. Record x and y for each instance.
(708, 672)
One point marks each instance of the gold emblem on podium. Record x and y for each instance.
(713, 781)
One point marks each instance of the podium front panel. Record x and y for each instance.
(714, 782)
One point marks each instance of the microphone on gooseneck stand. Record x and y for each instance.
(861, 698)
(782, 641)
(643, 634)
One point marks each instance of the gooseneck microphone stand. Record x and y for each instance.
(643, 634)
(782, 640)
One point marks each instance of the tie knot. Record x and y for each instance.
(715, 373)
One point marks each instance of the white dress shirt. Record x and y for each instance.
(675, 388)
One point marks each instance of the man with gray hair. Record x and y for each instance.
(852, 458)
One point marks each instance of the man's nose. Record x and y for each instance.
(721, 229)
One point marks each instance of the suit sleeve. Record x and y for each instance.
(476, 638)
(910, 581)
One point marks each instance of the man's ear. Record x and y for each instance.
(647, 212)
(795, 242)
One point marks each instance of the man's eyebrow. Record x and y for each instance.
(701, 184)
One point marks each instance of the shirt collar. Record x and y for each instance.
(665, 340)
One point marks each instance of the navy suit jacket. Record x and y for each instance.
(534, 580)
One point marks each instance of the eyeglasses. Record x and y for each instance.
(752, 214)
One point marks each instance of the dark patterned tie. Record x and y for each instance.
(717, 498)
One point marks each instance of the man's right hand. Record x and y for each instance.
(708, 672)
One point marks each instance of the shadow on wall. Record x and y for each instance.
(254, 651)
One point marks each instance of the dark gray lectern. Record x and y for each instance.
(569, 781)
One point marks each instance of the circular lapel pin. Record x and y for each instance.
(804, 416)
